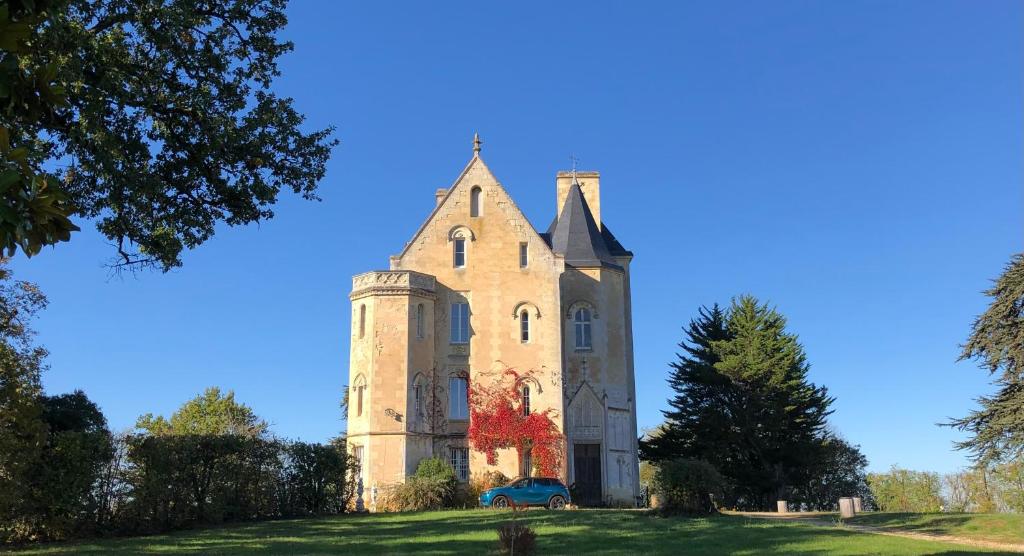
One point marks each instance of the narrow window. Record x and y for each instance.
(474, 202)
(419, 321)
(459, 248)
(524, 327)
(458, 401)
(459, 459)
(527, 463)
(526, 400)
(358, 453)
(524, 255)
(582, 322)
(417, 400)
(360, 389)
(460, 323)
(362, 320)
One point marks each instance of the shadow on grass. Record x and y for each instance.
(474, 532)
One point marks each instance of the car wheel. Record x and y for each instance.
(500, 503)
(556, 503)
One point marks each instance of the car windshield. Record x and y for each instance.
(519, 483)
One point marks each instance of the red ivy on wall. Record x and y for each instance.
(496, 421)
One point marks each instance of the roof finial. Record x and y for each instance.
(476, 144)
(574, 161)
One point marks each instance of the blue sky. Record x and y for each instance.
(857, 164)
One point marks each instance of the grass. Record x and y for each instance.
(990, 527)
(473, 532)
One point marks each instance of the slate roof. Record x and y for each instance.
(576, 236)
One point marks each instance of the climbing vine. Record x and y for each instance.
(497, 420)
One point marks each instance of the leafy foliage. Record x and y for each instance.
(33, 206)
(497, 420)
(23, 432)
(57, 500)
(431, 488)
(160, 114)
(838, 471)
(997, 342)
(903, 490)
(743, 403)
(688, 486)
(211, 413)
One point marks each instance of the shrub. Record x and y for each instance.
(516, 538)
(903, 490)
(479, 482)
(431, 488)
(435, 469)
(688, 486)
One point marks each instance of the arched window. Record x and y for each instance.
(524, 327)
(362, 320)
(459, 252)
(475, 206)
(419, 321)
(526, 399)
(582, 322)
(417, 399)
(359, 389)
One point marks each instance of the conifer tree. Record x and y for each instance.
(696, 425)
(743, 403)
(997, 342)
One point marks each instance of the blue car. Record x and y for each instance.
(531, 491)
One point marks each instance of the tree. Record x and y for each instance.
(698, 424)
(497, 420)
(903, 490)
(210, 413)
(78, 445)
(838, 472)
(22, 429)
(743, 403)
(997, 342)
(158, 116)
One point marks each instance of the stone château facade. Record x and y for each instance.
(477, 290)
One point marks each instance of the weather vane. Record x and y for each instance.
(574, 160)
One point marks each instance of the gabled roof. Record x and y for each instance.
(575, 234)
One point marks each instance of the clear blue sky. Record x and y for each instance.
(858, 164)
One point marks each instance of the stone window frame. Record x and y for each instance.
(464, 377)
(570, 315)
(420, 318)
(460, 235)
(476, 202)
(359, 389)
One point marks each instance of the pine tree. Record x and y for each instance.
(781, 416)
(743, 403)
(694, 426)
(997, 341)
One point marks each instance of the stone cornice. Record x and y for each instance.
(393, 282)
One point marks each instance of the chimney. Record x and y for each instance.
(590, 184)
(439, 196)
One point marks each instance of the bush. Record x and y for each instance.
(516, 538)
(479, 482)
(903, 490)
(687, 486)
(431, 488)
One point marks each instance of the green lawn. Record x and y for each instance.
(473, 532)
(990, 527)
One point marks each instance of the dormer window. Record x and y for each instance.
(475, 202)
